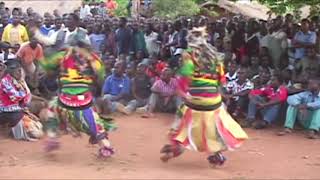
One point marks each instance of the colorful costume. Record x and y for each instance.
(79, 69)
(15, 96)
(202, 122)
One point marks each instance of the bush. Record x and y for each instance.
(122, 8)
(174, 8)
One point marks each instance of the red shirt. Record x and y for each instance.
(272, 94)
(157, 69)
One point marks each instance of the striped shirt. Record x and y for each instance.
(165, 89)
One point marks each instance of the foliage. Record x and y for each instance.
(122, 8)
(283, 6)
(174, 8)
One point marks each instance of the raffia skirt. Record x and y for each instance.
(208, 131)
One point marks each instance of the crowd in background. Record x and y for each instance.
(272, 67)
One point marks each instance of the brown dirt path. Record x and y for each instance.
(137, 143)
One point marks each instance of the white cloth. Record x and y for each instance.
(153, 47)
(85, 11)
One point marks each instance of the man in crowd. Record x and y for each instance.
(305, 107)
(116, 88)
(15, 33)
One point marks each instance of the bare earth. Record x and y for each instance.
(137, 143)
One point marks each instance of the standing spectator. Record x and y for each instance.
(4, 22)
(123, 37)
(252, 39)
(96, 39)
(277, 43)
(268, 100)
(58, 26)
(151, 38)
(47, 26)
(15, 33)
(304, 39)
(102, 10)
(138, 41)
(304, 107)
(111, 6)
(29, 53)
(84, 10)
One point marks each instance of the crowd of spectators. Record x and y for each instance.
(272, 66)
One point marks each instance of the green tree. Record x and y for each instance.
(175, 8)
(283, 6)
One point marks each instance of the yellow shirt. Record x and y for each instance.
(15, 34)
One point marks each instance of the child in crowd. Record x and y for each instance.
(304, 107)
(237, 93)
(232, 72)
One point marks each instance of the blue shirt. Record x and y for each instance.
(306, 97)
(96, 41)
(309, 37)
(45, 31)
(115, 85)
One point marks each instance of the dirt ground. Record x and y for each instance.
(137, 143)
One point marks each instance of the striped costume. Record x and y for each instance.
(202, 123)
(79, 71)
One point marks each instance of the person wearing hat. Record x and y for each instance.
(14, 93)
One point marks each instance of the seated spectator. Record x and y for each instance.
(253, 68)
(130, 70)
(268, 100)
(108, 65)
(237, 93)
(232, 72)
(304, 107)
(141, 86)
(155, 68)
(14, 95)
(116, 88)
(309, 61)
(267, 63)
(163, 97)
(262, 78)
(139, 57)
(6, 53)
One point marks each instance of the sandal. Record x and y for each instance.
(312, 135)
(217, 159)
(284, 132)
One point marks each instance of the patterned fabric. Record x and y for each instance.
(203, 124)
(164, 88)
(14, 95)
(235, 87)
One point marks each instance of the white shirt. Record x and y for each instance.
(48, 41)
(84, 11)
(151, 43)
